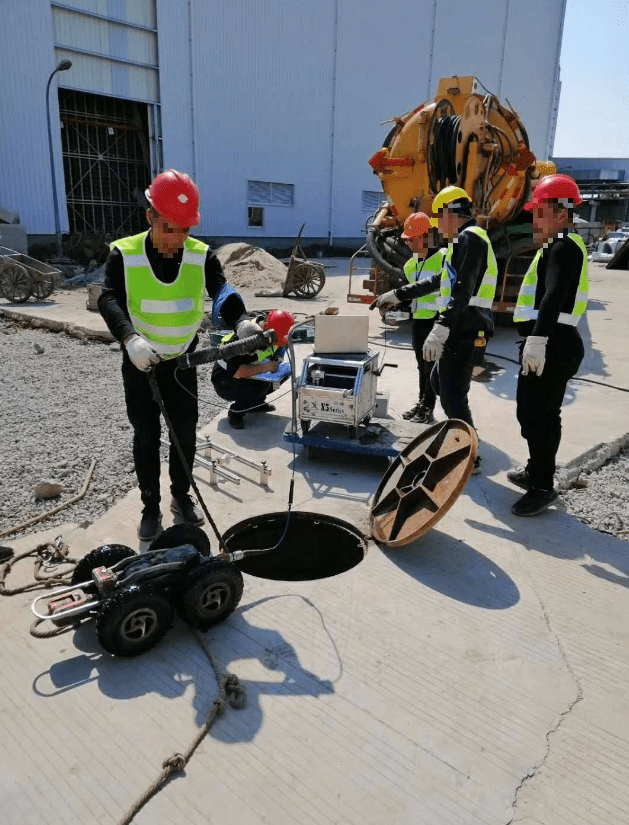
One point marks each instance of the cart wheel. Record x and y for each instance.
(133, 620)
(305, 425)
(105, 556)
(15, 283)
(180, 534)
(43, 286)
(308, 280)
(212, 593)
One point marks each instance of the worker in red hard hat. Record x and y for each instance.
(153, 302)
(552, 299)
(247, 380)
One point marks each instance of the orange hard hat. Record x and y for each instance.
(416, 225)
(175, 197)
(556, 188)
(280, 320)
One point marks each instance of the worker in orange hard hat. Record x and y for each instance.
(153, 302)
(247, 380)
(423, 273)
(552, 299)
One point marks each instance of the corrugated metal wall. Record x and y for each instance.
(286, 91)
(27, 58)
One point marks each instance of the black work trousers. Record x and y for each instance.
(244, 392)
(419, 332)
(452, 376)
(539, 399)
(144, 415)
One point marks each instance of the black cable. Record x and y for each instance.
(157, 396)
(575, 378)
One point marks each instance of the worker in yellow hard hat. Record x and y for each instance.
(467, 295)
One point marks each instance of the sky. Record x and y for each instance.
(593, 119)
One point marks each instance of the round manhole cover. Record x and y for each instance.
(316, 546)
(423, 482)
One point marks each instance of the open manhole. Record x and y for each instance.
(315, 547)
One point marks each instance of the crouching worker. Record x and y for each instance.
(246, 380)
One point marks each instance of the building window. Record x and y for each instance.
(255, 215)
(265, 193)
(372, 200)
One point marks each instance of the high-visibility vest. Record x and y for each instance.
(525, 306)
(261, 354)
(426, 306)
(484, 297)
(168, 316)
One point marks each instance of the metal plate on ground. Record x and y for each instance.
(423, 482)
(382, 438)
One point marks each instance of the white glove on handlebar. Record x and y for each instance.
(388, 300)
(434, 343)
(141, 353)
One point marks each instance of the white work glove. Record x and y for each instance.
(534, 354)
(245, 327)
(435, 340)
(141, 353)
(386, 301)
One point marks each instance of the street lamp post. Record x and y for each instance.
(63, 66)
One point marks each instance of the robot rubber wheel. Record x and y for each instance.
(212, 592)
(133, 620)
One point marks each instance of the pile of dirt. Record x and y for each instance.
(249, 267)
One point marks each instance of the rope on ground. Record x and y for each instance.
(18, 528)
(49, 554)
(230, 689)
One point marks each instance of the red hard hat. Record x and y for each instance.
(176, 198)
(280, 320)
(416, 225)
(556, 188)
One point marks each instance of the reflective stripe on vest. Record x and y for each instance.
(168, 316)
(426, 306)
(484, 296)
(525, 306)
(261, 354)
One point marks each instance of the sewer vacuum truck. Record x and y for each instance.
(463, 137)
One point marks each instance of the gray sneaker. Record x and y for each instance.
(185, 507)
(150, 525)
(519, 477)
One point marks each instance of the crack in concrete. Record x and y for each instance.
(560, 719)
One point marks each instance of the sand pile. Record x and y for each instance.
(249, 267)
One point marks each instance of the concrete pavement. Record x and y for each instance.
(476, 676)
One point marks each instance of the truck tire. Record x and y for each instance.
(105, 556)
(183, 534)
(211, 593)
(133, 620)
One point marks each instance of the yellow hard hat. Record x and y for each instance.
(448, 195)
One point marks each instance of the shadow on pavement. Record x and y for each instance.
(458, 571)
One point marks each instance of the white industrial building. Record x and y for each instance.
(273, 106)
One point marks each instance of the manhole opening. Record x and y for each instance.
(315, 547)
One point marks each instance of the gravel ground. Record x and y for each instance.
(61, 408)
(604, 502)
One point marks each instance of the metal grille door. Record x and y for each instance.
(106, 162)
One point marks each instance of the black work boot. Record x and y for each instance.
(236, 419)
(264, 407)
(520, 477)
(184, 507)
(150, 525)
(534, 502)
(413, 411)
(424, 416)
